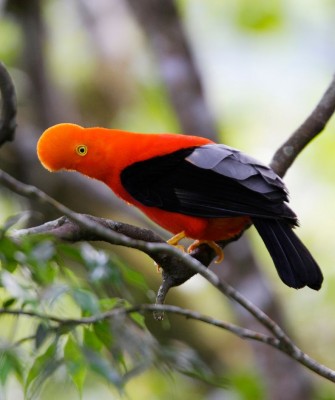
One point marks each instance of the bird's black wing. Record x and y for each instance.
(216, 181)
(212, 181)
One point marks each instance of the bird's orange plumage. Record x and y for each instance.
(109, 151)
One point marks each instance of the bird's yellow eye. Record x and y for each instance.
(81, 150)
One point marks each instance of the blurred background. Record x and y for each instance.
(243, 73)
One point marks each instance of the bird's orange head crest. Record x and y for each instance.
(71, 147)
(61, 147)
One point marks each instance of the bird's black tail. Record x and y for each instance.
(294, 263)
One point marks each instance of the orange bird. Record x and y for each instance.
(190, 186)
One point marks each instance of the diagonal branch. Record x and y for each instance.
(82, 227)
(307, 131)
(157, 250)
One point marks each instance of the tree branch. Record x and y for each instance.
(307, 131)
(82, 227)
(160, 252)
(276, 341)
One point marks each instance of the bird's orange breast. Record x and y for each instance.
(215, 229)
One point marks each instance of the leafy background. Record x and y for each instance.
(264, 65)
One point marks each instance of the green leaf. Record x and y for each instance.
(10, 361)
(188, 362)
(40, 259)
(91, 341)
(41, 334)
(102, 367)
(109, 303)
(248, 385)
(43, 366)
(139, 319)
(9, 302)
(103, 331)
(134, 278)
(7, 253)
(86, 300)
(70, 276)
(70, 251)
(75, 363)
(45, 274)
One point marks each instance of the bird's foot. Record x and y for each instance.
(174, 241)
(218, 250)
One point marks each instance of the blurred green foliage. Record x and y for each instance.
(259, 15)
(37, 277)
(12, 46)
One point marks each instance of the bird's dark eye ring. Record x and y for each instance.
(81, 150)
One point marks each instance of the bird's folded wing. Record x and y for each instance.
(211, 181)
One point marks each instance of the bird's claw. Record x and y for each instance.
(213, 245)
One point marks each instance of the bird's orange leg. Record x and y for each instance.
(210, 243)
(174, 241)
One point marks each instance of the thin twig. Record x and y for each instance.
(247, 334)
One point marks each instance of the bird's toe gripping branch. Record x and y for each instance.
(213, 245)
(174, 241)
